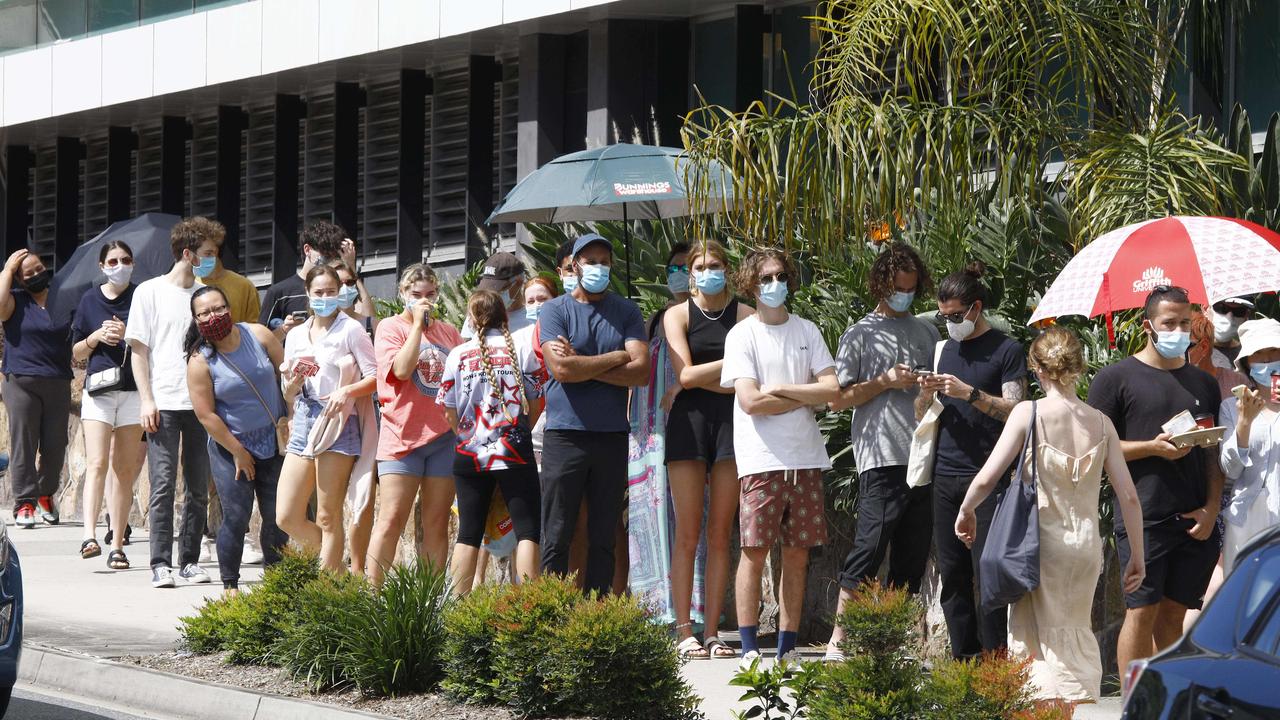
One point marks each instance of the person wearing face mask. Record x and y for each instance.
(235, 393)
(780, 369)
(565, 267)
(1250, 453)
(595, 348)
(1180, 489)
(699, 444)
(1227, 315)
(330, 364)
(37, 387)
(110, 405)
(537, 292)
(285, 303)
(240, 290)
(874, 363)
(159, 318)
(981, 374)
(353, 297)
(415, 445)
(504, 274)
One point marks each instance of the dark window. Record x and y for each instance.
(163, 9)
(1268, 638)
(107, 15)
(17, 24)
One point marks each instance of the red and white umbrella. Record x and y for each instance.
(1214, 258)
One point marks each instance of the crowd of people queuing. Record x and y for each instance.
(308, 405)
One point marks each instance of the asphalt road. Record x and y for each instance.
(29, 705)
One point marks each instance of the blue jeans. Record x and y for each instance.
(237, 496)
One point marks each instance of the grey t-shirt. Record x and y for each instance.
(882, 426)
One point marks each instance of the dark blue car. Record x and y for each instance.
(10, 617)
(1228, 665)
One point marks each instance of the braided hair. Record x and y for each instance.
(489, 312)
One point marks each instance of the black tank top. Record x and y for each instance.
(706, 336)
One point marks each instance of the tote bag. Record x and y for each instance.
(1010, 564)
(924, 441)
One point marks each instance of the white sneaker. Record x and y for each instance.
(793, 657)
(749, 658)
(207, 550)
(162, 577)
(194, 574)
(251, 555)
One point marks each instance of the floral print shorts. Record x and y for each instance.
(786, 502)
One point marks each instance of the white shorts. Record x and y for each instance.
(118, 408)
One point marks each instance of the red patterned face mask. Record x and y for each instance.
(215, 328)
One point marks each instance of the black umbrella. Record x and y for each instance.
(147, 235)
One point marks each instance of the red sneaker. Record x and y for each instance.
(47, 510)
(25, 516)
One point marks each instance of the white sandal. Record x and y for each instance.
(717, 649)
(689, 649)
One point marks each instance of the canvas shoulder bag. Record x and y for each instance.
(924, 441)
(1010, 564)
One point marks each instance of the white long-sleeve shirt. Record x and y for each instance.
(1255, 476)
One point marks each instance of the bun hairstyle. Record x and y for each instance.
(965, 285)
(1057, 355)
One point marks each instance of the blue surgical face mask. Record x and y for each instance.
(570, 283)
(678, 282)
(205, 266)
(710, 281)
(347, 295)
(531, 311)
(774, 294)
(901, 301)
(1172, 343)
(595, 278)
(1262, 372)
(324, 306)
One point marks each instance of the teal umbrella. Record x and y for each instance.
(615, 182)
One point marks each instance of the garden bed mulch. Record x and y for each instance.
(276, 681)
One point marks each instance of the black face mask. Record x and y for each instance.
(38, 282)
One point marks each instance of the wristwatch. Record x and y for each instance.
(974, 394)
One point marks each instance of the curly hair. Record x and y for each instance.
(897, 258)
(1057, 355)
(323, 237)
(190, 233)
(748, 276)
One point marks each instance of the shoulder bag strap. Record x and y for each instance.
(240, 372)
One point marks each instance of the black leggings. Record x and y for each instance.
(520, 490)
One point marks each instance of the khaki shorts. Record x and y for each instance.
(786, 503)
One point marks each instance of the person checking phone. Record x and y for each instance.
(1179, 488)
(1250, 453)
(235, 394)
(285, 304)
(874, 364)
(981, 375)
(415, 445)
(330, 364)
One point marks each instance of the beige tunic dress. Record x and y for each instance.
(1052, 625)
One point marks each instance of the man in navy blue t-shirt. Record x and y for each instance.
(595, 348)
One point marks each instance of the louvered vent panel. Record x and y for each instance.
(93, 189)
(317, 158)
(203, 186)
(448, 169)
(146, 176)
(380, 149)
(43, 201)
(507, 116)
(258, 192)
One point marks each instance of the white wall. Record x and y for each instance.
(233, 43)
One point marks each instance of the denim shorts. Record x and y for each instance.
(435, 459)
(305, 413)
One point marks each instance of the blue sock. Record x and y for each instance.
(749, 640)
(786, 641)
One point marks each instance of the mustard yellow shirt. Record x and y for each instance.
(241, 293)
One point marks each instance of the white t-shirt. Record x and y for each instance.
(346, 337)
(159, 318)
(793, 352)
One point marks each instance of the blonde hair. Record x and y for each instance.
(1057, 355)
(488, 312)
(713, 249)
(415, 273)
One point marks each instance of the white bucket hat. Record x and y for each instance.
(1255, 336)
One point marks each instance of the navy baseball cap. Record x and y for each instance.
(590, 239)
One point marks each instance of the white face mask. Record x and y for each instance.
(118, 275)
(1225, 327)
(961, 331)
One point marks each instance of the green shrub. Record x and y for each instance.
(611, 660)
(527, 617)
(470, 628)
(311, 648)
(205, 632)
(879, 622)
(991, 686)
(288, 577)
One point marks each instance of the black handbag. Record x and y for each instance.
(1010, 564)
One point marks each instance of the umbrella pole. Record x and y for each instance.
(626, 244)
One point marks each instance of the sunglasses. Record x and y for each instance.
(677, 268)
(778, 277)
(112, 262)
(1239, 311)
(349, 283)
(954, 318)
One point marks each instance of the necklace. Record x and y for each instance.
(708, 317)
